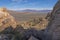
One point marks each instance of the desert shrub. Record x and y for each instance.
(8, 30)
(35, 21)
(12, 33)
(17, 36)
(17, 32)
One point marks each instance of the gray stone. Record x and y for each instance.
(52, 31)
(32, 38)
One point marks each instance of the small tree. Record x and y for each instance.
(8, 30)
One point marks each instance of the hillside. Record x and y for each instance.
(26, 19)
(6, 19)
(25, 16)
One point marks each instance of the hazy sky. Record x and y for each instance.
(28, 4)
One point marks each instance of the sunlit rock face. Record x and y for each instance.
(52, 31)
(6, 19)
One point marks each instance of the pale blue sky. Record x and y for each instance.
(28, 4)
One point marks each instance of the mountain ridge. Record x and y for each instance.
(30, 10)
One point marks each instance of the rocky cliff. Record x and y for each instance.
(52, 31)
(6, 19)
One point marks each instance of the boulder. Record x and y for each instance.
(6, 37)
(32, 38)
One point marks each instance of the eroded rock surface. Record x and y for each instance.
(6, 19)
(20, 34)
(52, 31)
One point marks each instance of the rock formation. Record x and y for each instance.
(6, 19)
(18, 33)
(52, 31)
(32, 38)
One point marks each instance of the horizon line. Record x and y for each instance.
(28, 8)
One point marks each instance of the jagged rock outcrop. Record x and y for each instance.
(19, 33)
(52, 31)
(32, 38)
(7, 33)
(6, 19)
(6, 37)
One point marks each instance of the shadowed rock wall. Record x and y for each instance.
(52, 31)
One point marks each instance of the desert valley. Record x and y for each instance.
(33, 22)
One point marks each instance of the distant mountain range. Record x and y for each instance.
(28, 10)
